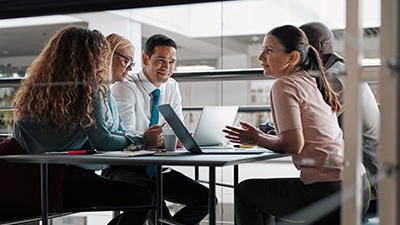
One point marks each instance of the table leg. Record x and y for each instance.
(235, 182)
(235, 175)
(44, 194)
(211, 196)
(196, 173)
(159, 194)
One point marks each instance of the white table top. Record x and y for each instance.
(193, 159)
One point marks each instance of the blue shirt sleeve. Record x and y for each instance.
(98, 134)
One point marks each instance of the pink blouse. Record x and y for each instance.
(297, 103)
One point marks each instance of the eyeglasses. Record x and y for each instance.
(129, 63)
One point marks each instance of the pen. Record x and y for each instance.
(82, 152)
(76, 152)
(243, 146)
(163, 124)
(266, 126)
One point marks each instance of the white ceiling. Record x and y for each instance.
(27, 41)
(196, 28)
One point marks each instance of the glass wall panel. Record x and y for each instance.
(6, 118)
(216, 36)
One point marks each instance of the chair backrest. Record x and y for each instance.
(20, 184)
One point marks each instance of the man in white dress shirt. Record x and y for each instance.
(134, 99)
(133, 96)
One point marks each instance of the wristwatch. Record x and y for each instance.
(133, 147)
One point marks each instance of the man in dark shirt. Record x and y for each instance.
(321, 38)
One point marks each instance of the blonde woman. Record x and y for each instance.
(122, 55)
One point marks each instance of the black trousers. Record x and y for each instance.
(84, 188)
(177, 188)
(261, 201)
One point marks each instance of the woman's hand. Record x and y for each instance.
(246, 135)
(154, 137)
(291, 141)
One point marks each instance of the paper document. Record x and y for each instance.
(125, 153)
(178, 151)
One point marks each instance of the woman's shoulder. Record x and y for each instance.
(298, 78)
(289, 80)
(295, 83)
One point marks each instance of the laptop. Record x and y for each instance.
(187, 140)
(212, 120)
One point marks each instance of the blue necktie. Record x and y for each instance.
(150, 170)
(154, 110)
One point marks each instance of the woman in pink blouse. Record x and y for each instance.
(304, 111)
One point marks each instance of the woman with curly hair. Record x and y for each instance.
(58, 108)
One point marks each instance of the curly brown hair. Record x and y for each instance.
(64, 80)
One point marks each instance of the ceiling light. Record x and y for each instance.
(194, 68)
(371, 62)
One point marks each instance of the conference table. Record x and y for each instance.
(208, 160)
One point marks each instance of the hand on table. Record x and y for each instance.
(179, 143)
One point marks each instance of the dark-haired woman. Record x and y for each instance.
(59, 108)
(304, 111)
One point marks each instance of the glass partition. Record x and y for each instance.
(210, 36)
(6, 118)
(217, 55)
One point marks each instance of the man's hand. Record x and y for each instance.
(154, 137)
(271, 130)
(179, 143)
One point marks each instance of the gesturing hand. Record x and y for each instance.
(246, 135)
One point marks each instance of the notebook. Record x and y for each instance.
(187, 140)
(212, 120)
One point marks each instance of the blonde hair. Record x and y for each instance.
(64, 80)
(116, 42)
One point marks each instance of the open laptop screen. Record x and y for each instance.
(187, 140)
(212, 120)
(180, 130)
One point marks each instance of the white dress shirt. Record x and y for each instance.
(134, 100)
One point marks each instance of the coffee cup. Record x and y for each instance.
(170, 139)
